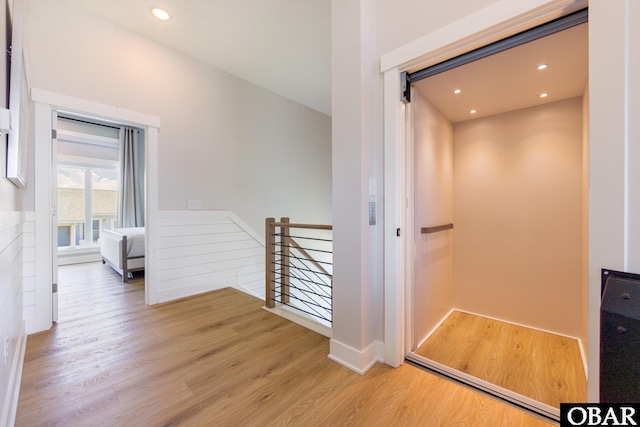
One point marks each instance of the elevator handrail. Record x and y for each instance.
(428, 230)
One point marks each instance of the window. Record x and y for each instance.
(87, 204)
(64, 235)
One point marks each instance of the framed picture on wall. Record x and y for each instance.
(18, 102)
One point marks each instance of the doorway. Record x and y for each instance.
(89, 155)
(612, 158)
(497, 179)
(47, 106)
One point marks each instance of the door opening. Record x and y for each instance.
(88, 194)
(47, 105)
(505, 166)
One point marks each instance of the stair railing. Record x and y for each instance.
(299, 265)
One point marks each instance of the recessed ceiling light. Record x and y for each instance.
(544, 95)
(160, 13)
(457, 91)
(472, 111)
(542, 66)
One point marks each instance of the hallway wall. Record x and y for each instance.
(517, 216)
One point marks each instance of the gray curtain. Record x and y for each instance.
(131, 203)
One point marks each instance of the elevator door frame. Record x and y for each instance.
(543, 410)
(487, 26)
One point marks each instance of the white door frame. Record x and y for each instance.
(496, 22)
(53, 184)
(45, 104)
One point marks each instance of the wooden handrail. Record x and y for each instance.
(427, 230)
(312, 226)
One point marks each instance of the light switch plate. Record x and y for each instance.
(372, 187)
(194, 204)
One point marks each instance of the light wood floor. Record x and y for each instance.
(217, 359)
(540, 365)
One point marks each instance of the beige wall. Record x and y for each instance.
(584, 297)
(433, 198)
(517, 216)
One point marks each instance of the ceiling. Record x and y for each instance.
(285, 46)
(510, 79)
(281, 45)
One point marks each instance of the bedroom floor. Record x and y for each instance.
(540, 365)
(91, 287)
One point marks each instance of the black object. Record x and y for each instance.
(620, 338)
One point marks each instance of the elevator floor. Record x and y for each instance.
(540, 365)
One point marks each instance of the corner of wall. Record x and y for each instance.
(359, 361)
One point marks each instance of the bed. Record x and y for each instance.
(123, 250)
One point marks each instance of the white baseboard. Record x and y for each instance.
(516, 323)
(356, 360)
(10, 403)
(583, 354)
(68, 259)
(300, 320)
(440, 322)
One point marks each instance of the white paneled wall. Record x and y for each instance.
(28, 269)
(200, 251)
(12, 335)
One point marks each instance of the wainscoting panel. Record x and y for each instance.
(201, 251)
(29, 268)
(11, 318)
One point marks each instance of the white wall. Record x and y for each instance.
(357, 249)
(200, 251)
(7, 190)
(433, 285)
(12, 262)
(517, 216)
(614, 155)
(402, 21)
(224, 141)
